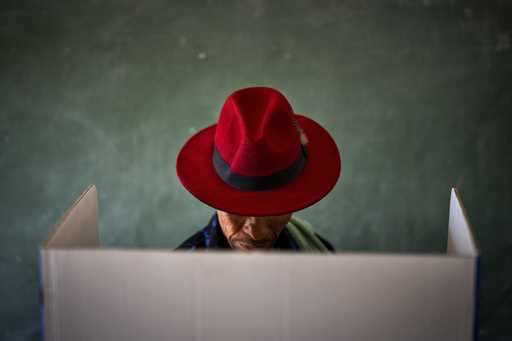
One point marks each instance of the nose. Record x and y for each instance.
(255, 228)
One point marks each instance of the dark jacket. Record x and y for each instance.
(212, 237)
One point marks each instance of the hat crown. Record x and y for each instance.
(256, 134)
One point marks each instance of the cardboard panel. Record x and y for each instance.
(112, 294)
(99, 294)
(79, 225)
(461, 240)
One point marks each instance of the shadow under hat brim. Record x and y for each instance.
(195, 170)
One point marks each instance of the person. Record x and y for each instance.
(256, 166)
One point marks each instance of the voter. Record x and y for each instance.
(256, 166)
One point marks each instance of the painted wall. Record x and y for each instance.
(416, 94)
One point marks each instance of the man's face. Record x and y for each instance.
(247, 233)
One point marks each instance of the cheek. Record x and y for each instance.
(273, 228)
(231, 226)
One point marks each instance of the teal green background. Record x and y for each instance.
(417, 94)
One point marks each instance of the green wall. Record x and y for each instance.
(417, 95)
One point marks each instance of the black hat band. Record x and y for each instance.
(258, 183)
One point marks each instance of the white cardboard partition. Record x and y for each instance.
(94, 293)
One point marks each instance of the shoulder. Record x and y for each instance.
(327, 244)
(195, 241)
(209, 237)
(306, 236)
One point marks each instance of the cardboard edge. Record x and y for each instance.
(214, 253)
(41, 291)
(48, 240)
(48, 311)
(476, 300)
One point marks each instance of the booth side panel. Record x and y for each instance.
(79, 224)
(461, 239)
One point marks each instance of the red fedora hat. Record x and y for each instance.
(260, 158)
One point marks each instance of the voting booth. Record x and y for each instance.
(111, 294)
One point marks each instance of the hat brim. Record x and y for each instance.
(321, 172)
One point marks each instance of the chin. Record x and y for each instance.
(249, 247)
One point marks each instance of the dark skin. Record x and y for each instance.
(250, 233)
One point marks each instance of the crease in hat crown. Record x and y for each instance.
(257, 133)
